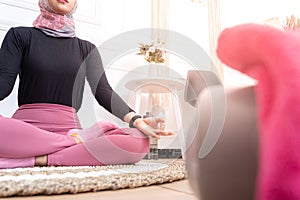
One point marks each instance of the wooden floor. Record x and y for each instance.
(179, 190)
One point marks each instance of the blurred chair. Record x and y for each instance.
(229, 169)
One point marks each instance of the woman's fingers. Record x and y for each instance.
(154, 127)
(162, 126)
(159, 120)
(156, 122)
(150, 132)
(164, 133)
(156, 133)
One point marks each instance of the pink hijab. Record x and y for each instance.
(54, 24)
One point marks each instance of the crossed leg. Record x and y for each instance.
(22, 142)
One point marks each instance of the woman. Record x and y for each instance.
(52, 64)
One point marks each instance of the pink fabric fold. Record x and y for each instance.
(272, 57)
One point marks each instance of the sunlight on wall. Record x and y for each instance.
(234, 12)
(191, 20)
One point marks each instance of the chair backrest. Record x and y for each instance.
(196, 82)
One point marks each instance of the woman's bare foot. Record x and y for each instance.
(76, 137)
(41, 161)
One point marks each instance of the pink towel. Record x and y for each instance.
(272, 57)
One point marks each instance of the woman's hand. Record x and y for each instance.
(152, 127)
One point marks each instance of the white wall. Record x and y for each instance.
(235, 11)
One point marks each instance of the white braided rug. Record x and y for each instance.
(60, 180)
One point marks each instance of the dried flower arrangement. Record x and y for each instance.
(152, 53)
(291, 23)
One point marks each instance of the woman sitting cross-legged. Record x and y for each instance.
(52, 64)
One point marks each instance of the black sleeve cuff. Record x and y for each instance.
(133, 119)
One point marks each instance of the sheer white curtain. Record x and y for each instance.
(160, 20)
(214, 29)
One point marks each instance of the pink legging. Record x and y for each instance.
(42, 129)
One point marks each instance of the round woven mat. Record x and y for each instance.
(60, 180)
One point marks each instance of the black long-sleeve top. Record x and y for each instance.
(53, 70)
